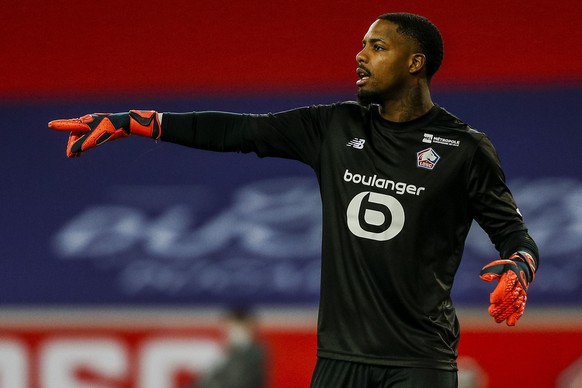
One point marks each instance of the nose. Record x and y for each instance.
(361, 57)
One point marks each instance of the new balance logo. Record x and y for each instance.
(357, 143)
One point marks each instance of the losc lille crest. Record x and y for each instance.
(427, 158)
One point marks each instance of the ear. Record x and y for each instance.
(417, 63)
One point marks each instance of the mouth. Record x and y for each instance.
(363, 75)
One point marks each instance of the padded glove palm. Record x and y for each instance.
(509, 297)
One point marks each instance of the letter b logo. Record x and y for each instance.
(375, 216)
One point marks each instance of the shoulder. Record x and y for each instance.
(452, 124)
(450, 121)
(344, 108)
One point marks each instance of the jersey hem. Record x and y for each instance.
(448, 365)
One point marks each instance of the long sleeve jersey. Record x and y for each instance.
(398, 200)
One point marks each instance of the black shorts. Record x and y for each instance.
(330, 373)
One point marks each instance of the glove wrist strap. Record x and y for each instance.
(527, 259)
(145, 123)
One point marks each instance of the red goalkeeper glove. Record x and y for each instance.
(509, 297)
(95, 129)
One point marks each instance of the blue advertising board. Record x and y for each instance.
(140, 222)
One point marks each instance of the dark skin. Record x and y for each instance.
(392, 73)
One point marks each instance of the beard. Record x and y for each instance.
(367, 98)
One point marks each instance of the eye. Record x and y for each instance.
(377, 47)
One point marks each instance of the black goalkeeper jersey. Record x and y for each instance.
(398, 201)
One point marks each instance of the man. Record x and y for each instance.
(245, 361)
(401, 180)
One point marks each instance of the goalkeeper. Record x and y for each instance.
(401, 181)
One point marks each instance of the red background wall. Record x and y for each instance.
(77, 48)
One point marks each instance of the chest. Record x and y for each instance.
(402, 162)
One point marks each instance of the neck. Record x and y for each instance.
(414, 102)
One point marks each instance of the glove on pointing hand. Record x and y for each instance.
(95, 129)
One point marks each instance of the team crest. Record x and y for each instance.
(427, 158)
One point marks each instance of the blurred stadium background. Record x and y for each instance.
(117, 267)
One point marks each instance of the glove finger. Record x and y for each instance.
(69, 125)
(503, 297)
(512, 319)
(501, 312)
(104, 132)
(494, 269)
(495, 312)
(489, 276)
(506, 285)
(512, 305)
(520, 297)
(71, 144)
(87, 141)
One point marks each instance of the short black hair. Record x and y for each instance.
(425, 33)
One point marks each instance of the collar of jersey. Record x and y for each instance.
(419, 122)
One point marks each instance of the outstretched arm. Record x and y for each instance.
(293, 134)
